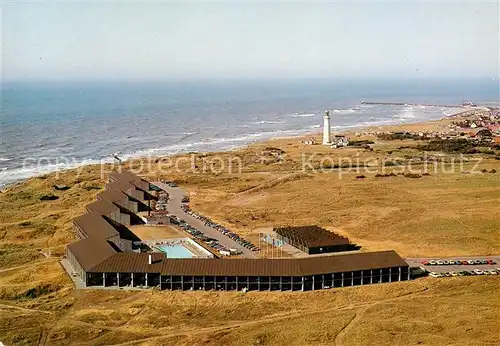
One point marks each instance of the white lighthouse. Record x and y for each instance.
(326, 129)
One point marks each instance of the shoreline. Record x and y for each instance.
(348, 130)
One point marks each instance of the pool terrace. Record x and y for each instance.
(179, 248)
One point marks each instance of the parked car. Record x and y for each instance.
(432, 262)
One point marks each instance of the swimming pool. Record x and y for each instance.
(176, 251)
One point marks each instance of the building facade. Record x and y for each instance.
(103, 257)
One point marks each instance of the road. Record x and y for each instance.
(417, 262)
(174, 207)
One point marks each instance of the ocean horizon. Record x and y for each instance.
(50, 126)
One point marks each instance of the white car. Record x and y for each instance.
(478, 272)
(439, 263)
(432, 262)
(470, 262)
(435, 275)
(454, 274)
(453, 262)
(493, 272)
(445, 262)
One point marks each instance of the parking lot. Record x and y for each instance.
(458, 266)
(175, 207)
(243, 242)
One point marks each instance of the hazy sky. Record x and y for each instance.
(253, 40)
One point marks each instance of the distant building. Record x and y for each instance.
(313, 239)
(340, 141)
(495, 128)
(103, 256)
(469, 104)
(310, 141)
(480, 133)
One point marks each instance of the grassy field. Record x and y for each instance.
(445, 213)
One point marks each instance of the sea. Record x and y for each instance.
(49, 126)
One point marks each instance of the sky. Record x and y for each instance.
(160, 40)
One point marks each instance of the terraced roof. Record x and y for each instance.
(102, 207)
(93, 225)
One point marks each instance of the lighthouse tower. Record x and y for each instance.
(326, 129)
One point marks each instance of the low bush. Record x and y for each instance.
(360, 143)
(399, 136)
(89, 188)
(412, 175)
(48, 197)
(392, 174)
(449, 146)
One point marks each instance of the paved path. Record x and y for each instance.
(174, 207)
(417, 262)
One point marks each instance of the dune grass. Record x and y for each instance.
(441, 214)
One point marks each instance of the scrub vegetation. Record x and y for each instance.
(442, 213)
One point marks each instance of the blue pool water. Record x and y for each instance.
(176, 251)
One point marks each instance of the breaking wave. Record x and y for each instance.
(298, 115)
(267, 122)
(345, 111)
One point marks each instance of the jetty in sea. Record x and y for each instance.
(413, 104)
